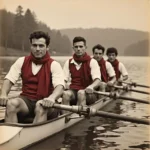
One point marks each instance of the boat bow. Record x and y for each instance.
(8, 132)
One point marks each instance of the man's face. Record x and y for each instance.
(38, 47)
(79, 48)
(111, 57)
(98, 54)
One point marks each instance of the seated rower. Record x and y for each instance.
(83, 74)
(107, 72)
(120, 70)
(42, 83)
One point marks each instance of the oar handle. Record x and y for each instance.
(102, 93)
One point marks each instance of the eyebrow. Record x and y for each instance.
(38, 44)
(78, 46)
(98, 53)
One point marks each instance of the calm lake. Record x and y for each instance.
(99, 133)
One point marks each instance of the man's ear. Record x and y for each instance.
(47, 48)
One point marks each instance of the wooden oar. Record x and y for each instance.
(127, 88)
(115, 96)
(89, 111)
(136, 84)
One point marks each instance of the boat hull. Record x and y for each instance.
(27, 135)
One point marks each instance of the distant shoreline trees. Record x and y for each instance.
(16, 28)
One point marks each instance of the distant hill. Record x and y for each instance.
(139, 47)
(125, 40)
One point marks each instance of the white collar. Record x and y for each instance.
(74, 62)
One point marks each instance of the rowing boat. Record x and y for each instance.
(18, 136)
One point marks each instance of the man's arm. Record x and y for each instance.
(111, 74)
(123, 71)
(66, 71)
(58, 91)
(95, 84)
(96, 76)
(58, 83)
(10, 79)
(112, 81)
(123, 78)
(5, 91)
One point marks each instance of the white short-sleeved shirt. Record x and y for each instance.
(56, 70)
(110, 70)
(122, 69)
(95, 70)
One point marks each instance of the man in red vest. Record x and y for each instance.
(42, 83)
(106, 69)
(82, 75)
(120, 70)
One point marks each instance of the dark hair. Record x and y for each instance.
(79, 39)
(112, 50)
(98, 46)
(40, 34)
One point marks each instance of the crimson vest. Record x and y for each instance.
(77, 76)
(30, 82)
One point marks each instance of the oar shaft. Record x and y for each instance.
(126, 88)
(134, 99)
(115, 96)
(143, 92)
(143, 85)
(136, 84)
(93, 112)
(121, 117)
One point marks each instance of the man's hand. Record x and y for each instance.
(89, 90)
(3, 100)
(48, 102)
(120, 80)
(109, 83)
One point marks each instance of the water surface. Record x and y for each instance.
(99, 133)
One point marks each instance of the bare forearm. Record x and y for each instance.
(125, 77)
(95, 84)
(112, 79)
(57, 92)
(7, 84)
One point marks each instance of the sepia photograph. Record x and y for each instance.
(75, 75)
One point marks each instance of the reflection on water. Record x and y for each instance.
(100, 133)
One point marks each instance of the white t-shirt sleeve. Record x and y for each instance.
(110, 69)
(66, 71)
(95, 69)
(15, 70)
(57, 74)
(122, 69)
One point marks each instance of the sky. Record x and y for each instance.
(59, 14)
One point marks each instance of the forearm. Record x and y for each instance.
(125, 77)
(7, 84)
(57, 92)
(95, 84)
(112, 79)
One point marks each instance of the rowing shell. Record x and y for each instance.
(17, 136)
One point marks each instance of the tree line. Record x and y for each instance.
(16, 28)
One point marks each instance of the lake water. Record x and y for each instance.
(101, 133)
